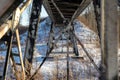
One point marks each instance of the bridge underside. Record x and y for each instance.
(61, 10)
(62, 13)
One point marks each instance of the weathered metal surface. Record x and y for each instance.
(14, 23)
(4, 5)
(10, 27)
(60, 12)
(6, 26)
(32, 33)
(109, 39)
(69, 9)
(7, 56)
(74, 42)
(68, 57)
(6, 14)
(88, 55)
(97, 15)
(20, 53)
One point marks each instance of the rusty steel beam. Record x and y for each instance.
(49, 50)
(32, 33)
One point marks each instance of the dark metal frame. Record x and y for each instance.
(8, 54)
(9, 11)
(32, 33)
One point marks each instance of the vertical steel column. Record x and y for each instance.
(74, 42)
(8, 54)
(96, 4)
(119, 22)
(67, 37)
(50, 47)
(109, 41)
(32, 33)
(51, 37)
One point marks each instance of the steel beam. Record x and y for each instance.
(32, 33)
(86, 52)
(48, 9)
(74, 42)
(51, 37)
(68, 58)
(97, 15)
(20, 53)
(6, 15)
(6, 26)
(7, 55)
(66, 3)
(109, 41)
(49, 50)
(82, 7)
(57, 8)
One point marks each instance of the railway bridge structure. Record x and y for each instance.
(62, 14)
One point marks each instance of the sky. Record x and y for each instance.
(43, 12)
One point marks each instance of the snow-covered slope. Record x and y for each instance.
(78, 69)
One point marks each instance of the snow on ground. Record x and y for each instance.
(79, 70)
(56, 68)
